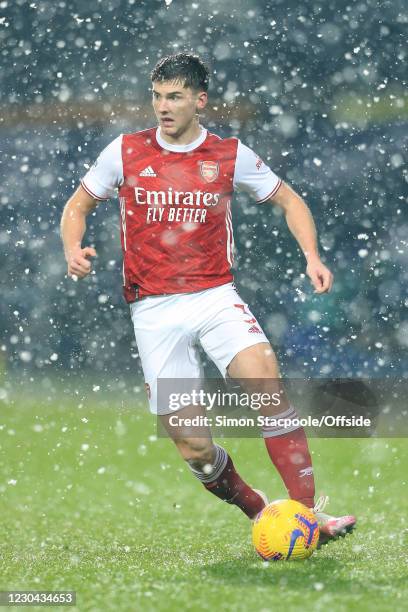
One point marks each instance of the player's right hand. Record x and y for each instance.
(79, 265)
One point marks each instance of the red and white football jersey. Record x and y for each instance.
(175, 205)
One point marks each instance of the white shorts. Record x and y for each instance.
(169, 328)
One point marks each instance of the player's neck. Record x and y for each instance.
(187, 137)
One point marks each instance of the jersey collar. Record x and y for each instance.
(182, 148)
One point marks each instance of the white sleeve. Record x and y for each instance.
(106, 175)
(253, 176)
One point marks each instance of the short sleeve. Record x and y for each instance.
(106, 175)
(254, 176)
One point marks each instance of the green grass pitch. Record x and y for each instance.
(92, 501)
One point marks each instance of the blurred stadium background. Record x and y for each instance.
(316, 89)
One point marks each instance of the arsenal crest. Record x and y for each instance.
(209, 170)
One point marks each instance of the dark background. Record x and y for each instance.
(317, 90)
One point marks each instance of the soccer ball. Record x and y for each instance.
(285, 529)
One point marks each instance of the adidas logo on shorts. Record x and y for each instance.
(254, 330)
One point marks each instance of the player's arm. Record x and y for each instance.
(73, 227)
(98, 184)
(263, 185)
(301, 224)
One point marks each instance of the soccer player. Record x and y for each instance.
(175, 184)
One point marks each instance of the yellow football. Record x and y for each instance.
(285, 529)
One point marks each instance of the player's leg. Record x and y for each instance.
(165, 339)
(234, 340)
(257, 370)
(209, 462)
(228, 341)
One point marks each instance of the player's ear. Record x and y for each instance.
(202, 99)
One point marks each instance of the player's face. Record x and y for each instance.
(176, 106)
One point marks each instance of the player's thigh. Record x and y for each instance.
(229, 328)
(235, 341)
(167, 352)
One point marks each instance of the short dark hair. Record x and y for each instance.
(184, 67)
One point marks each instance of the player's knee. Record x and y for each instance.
(197, 452)
(267, 367)
(257, 362)
(265, 382)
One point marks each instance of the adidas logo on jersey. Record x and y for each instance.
(148, 172)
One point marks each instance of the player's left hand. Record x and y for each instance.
(320, 275)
